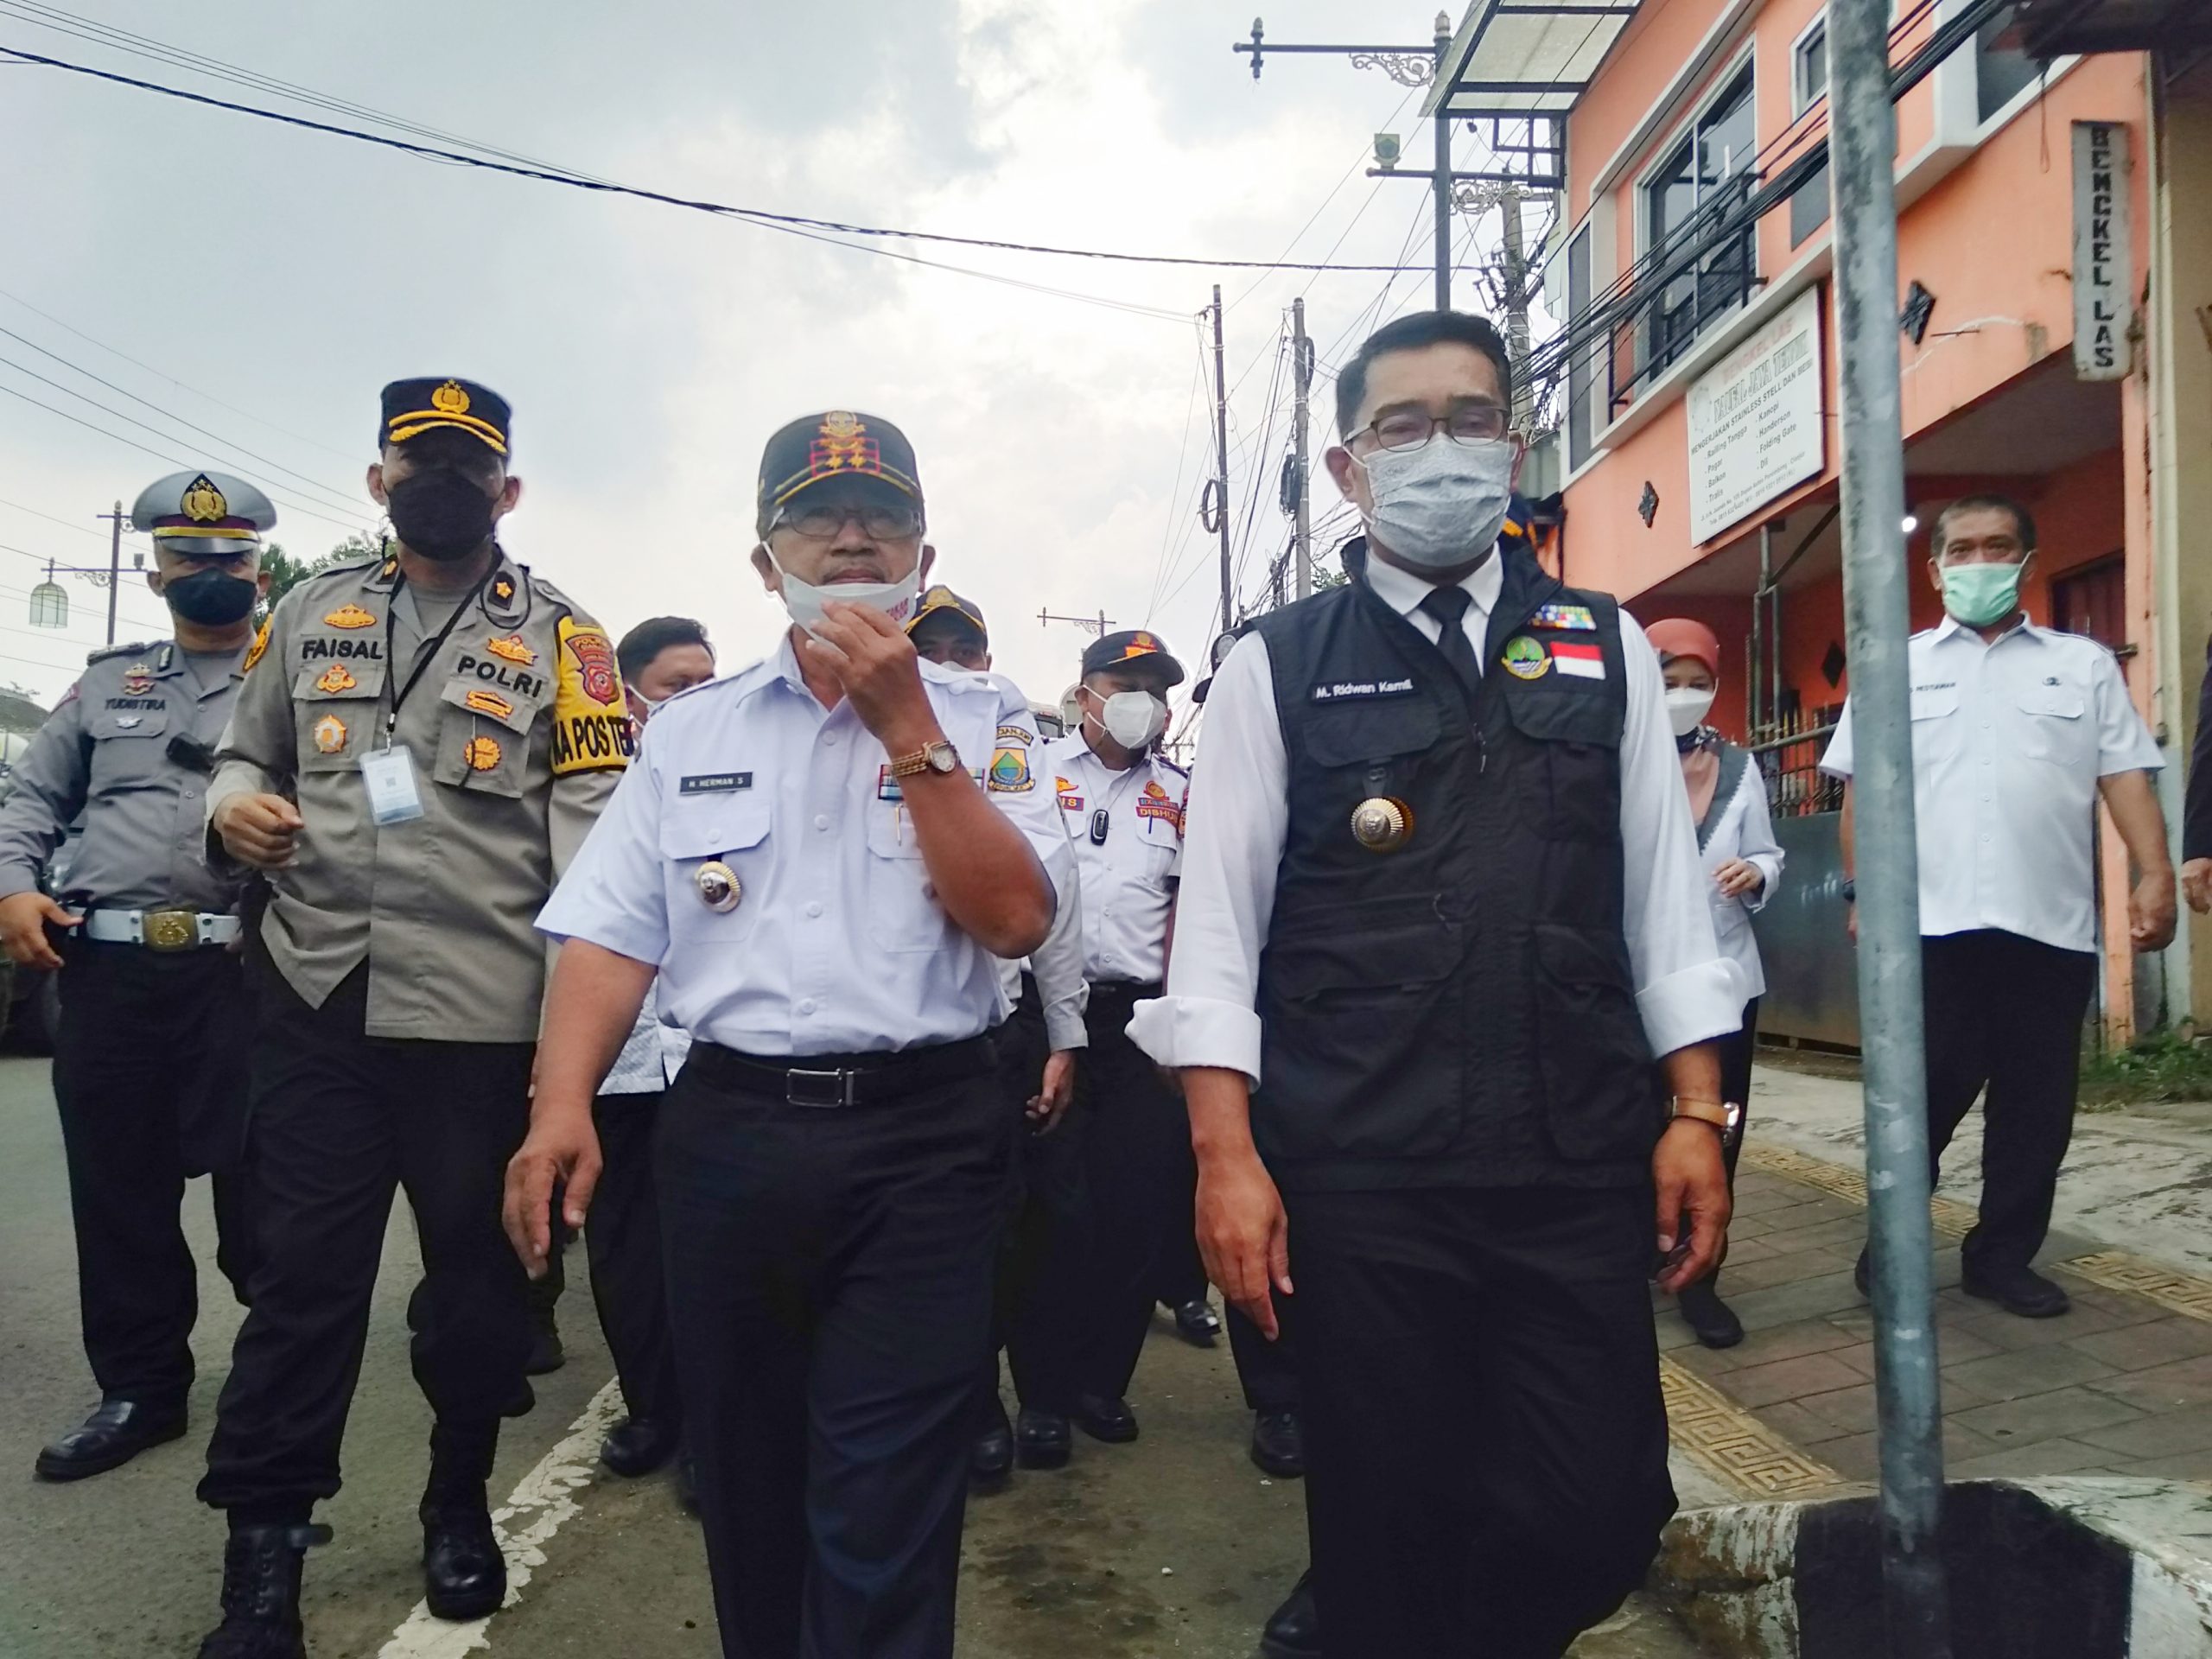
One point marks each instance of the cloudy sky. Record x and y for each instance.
(261, 283)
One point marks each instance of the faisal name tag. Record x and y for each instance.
(1346, 690)
(713, 783)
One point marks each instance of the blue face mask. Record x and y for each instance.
(1981, 595)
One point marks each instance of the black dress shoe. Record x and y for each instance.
(638, 1445)
(261, 1594)
(1862, 1274)
(1040, 1439)
(1714, 1321)
(1294, 1631)
(464, 1574)
(117, 1431)
(1104, 1419)
(1197, 1323)
(990, 1459)
(2017, 1290)
(546, 1354)
(1279, 1443)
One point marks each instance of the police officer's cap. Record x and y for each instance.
(940, 599)
(203, 515)
(444, 402)
(837, 443)
(1131, 648)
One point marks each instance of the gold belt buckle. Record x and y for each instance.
(171, 929)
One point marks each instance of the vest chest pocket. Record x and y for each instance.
(129, 747)
(336, 706)
(1577, 738)
(1600, 1099)
(483, 738)
(693, 833)
(1350, 743)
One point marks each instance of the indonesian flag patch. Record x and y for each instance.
(1584, 661)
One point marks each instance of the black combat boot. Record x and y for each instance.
(464, 1574)
(260, 1593)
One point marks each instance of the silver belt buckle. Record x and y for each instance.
(170, 930)
(822, 1088)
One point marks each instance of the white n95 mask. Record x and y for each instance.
(1133, 719)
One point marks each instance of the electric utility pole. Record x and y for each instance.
(1300, 490)
(115, 521)
(1221, 470)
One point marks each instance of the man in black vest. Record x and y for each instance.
(1441, 908)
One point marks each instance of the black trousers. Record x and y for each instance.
(341, 1120)
(2006, 1013)
(622, 1240)
(150, 1076)
(1735, 1051)
(1142, 1182)
(830, 1278)
(1037, 1317)
(1267, 1371)
(1182, 1271)
(1486, 1447)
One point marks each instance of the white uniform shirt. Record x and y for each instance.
(1742, 828)
(651, 1055)
(1686, 991)
(2008, 742)
(838, 944)
(1128, 878)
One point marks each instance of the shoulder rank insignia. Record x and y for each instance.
(335, 679)
(349, 616)
(489, 702)
(513, 649)
(1009, 771)
(503, 590)
(1525, 658)
(1576, 618)
(330, 736)
(260, 645)
(482, 753)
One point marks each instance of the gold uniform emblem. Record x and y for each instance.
(503, 590)
(482, 753)
(349, 616)
(203, 503)
(1381, 824)
(450, 399)
(330, 736)
(335, 679)
(513, 649)
(718, 886)
(489, 702)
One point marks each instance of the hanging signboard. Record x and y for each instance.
(2104, 253)
(1755, 426)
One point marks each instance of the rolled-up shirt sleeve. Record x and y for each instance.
(1238, 815)
(1058, 964)
(612, 894)
(1686, 991)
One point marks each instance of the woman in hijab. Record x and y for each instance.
(1736, 839)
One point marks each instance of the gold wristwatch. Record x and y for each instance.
(939, 756)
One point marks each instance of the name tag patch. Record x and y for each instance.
(1346, 690)
(713, 783)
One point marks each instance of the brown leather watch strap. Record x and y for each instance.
(1705, 1111)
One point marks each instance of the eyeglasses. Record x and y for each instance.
(878, 521)
(1409, 428)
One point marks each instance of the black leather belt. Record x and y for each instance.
(1123, 991)
(830, 1080)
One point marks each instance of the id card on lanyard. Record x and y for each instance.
(389, 772)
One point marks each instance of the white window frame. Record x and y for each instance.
(1744, 56)
(1798, 102)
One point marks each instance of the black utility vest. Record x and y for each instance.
(1458, 1012)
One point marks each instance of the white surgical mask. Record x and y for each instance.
(896, 600)
(1133, 719)
(1441, 505)
(645, 707)
(1687, 707)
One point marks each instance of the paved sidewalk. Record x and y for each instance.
(2121, 1385)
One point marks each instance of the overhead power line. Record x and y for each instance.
(797, 223)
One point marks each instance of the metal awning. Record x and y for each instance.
(2046, 28)
(1519, 58)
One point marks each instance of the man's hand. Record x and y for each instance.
(2196, 884)
(1851, 920)
(865, 652)
(23, 916)
(561, 1146)
(1737, 877)
(2150, 910)
(1243, 1236)
(259, 829)
(1050, 1103)
(1693, 1185)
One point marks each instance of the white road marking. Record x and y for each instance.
(541, 1502)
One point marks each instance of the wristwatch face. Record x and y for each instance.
(943, 757)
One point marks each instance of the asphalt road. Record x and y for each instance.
(1173, 1546)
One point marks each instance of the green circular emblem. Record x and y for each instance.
(1526, 658)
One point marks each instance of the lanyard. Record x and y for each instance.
(424, 655)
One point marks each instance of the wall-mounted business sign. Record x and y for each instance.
(1755, 420)
(2104, 253)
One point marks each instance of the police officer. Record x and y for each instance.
(1040, 1330)
(2017, 733)
(1121, 800)
(149, 1061)
(1441, 903)
(420, 744)
(821, 856)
